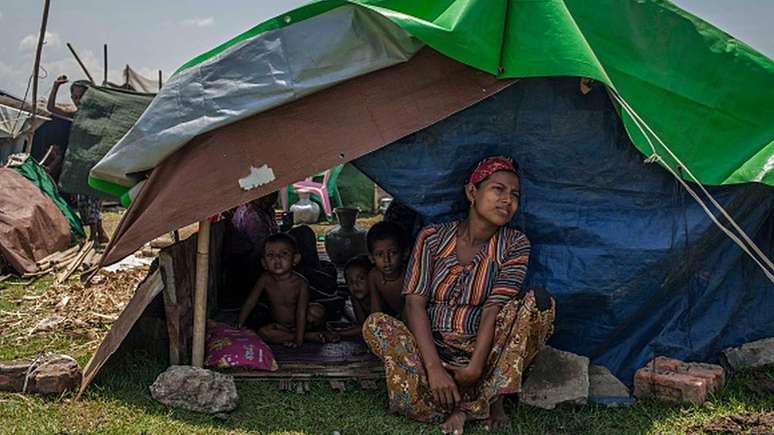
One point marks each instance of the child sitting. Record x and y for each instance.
(288, 294)
(356, 273)
(385, 280)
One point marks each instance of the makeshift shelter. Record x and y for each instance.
(15, 125)
(636, 265)
(31, 226)
(139, 83)
(33, 172)
(104, 116)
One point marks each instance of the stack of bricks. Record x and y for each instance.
(672, 379)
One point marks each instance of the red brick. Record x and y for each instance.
(714, 374)
(669, 385)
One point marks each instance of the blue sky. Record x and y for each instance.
(153, 35)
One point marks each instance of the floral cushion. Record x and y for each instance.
(234, 348)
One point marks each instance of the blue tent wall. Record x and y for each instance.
(636, 266)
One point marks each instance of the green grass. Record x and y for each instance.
(119, 402)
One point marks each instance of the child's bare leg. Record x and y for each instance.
(315, 314)
(321, 337)
(274, 333)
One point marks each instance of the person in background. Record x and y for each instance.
(356, 273)
(246, 229)
(89, 207)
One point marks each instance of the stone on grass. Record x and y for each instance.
(556, 377)
(750, 355)
(606, 389)
(49, 374)
(196, 389)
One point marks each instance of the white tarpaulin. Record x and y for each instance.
(14, 126)
(260, 73)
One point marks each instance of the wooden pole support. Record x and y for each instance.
(83, 67)
(105, 75)
(35, 68)
(200, 293)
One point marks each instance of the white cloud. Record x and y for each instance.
(30, 42)
(1, 15)
(198, 22)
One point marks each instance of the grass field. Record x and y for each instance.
(119, 401)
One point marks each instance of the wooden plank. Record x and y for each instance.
(61, 254)
(172, 314)
(370, 370)
(178, 266)
(74, 263)
(151, 286)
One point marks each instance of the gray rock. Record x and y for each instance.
(196, 389)
(606, 389)
(556, 377)
(49, 374)
(749, 355)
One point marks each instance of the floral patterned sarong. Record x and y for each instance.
(520, 331)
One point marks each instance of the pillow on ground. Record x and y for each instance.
(232, 348)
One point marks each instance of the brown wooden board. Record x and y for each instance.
(146, 291)
(183, 258)
(363, 370)
(178, 267)
(296, 140)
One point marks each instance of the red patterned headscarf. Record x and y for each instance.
(489, 166)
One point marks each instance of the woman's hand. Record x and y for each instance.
(443, 387)
(465, 376)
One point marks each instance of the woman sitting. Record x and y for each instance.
(471, 330)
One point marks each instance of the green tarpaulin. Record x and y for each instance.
(103, 117)
(707, 95)
(38, 176)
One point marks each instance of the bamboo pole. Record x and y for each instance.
(104, 77)
(35, 68)
(83, 67)
(200, 293)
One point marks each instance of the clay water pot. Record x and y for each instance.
(345, 240)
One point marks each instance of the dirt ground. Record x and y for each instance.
(748, 423)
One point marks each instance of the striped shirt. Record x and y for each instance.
(457, 294)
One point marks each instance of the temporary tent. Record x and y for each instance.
(636, 266)
(15, 125)
(104, 116)
(31, 226)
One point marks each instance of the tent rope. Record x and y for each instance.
(764, 261)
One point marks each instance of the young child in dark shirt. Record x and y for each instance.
(386, 250)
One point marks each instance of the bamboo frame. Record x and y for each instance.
(35, 68)
(78, 59)
(200, 293)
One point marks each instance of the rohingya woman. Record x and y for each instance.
(471, 329)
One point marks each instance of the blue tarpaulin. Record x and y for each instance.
(635, 265)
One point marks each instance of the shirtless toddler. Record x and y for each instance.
(385, 280)
(288, 294)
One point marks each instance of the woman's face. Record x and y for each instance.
(496, 199)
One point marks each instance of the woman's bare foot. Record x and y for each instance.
(455, 424)
(498, 419)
